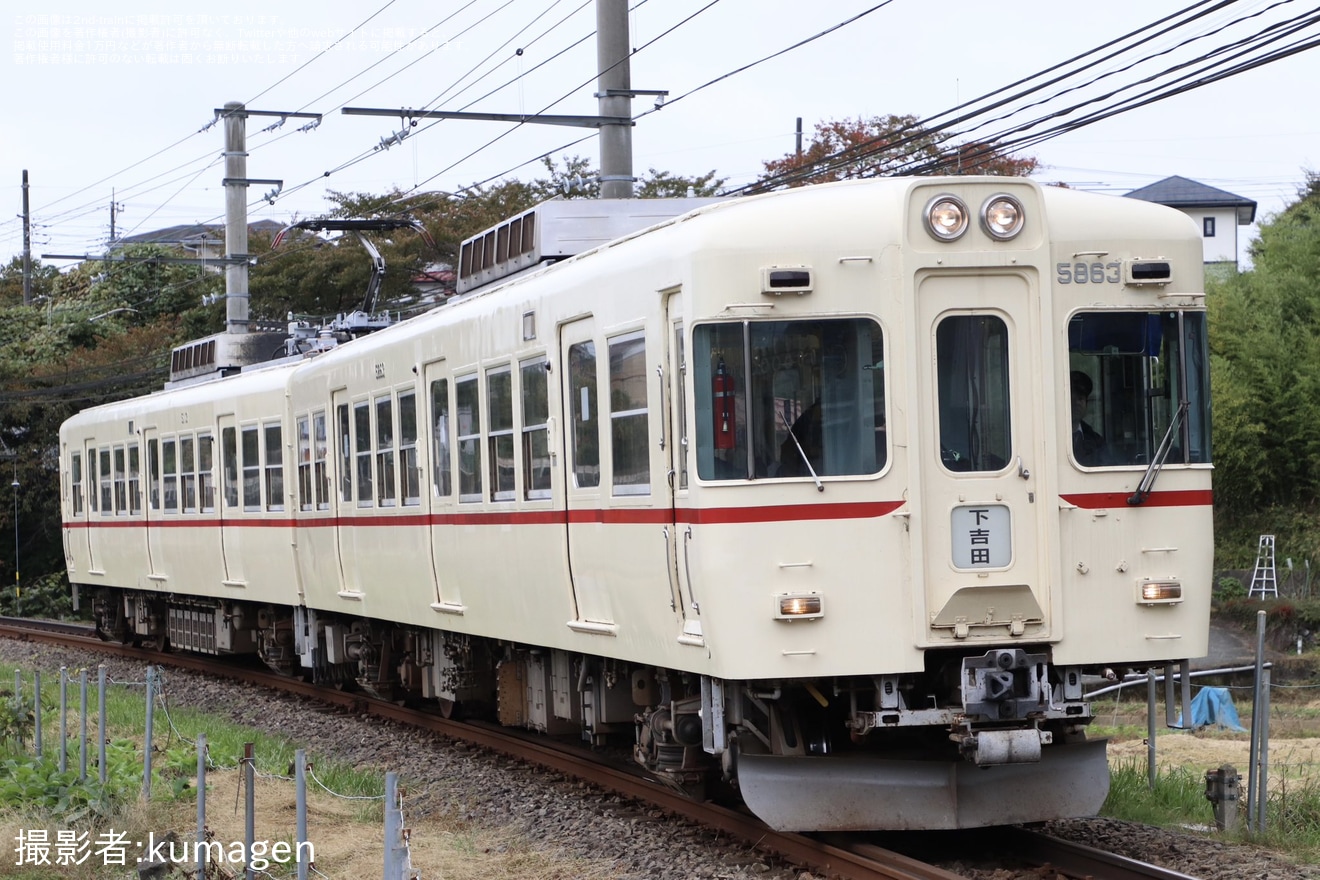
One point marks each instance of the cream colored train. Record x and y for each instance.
(838, 494)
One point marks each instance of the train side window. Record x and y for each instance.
(121, 483)
(169, 466)
(205, 472)
(304, 429)
(535, 382)
(586, 427)
(251, 468)
(274, 466)
(442, 476)
(813, 405)
(629, 424)
(188, 474)
(76, 482)
(362, 451)
(134, 480)
(468, 410)
(681, 426)
(91, 481)
(153, 473)
(410, 474)
(499, 396)
(975, 423)
(107, 490)
(385, 460)
(320, 465)
(345, 456)
(229, 466)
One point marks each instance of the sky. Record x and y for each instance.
(112, 108)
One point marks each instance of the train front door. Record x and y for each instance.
(983, 522)
(580, 374)
(234, 491)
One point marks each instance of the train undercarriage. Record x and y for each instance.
(980, 737)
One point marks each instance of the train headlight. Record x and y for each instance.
(946, 217)
(799, 606)
(1159, 592)
(1002, 216)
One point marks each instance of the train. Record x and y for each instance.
(834, 499)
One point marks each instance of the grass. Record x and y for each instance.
(348, 834)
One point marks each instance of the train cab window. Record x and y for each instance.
(188, 474)
(499, 397)
(468, 436)
(106, 486)
(534, 382)
(971, 363)
(274, 469)
(813, 405)
(586, 427)
(410, 474)
(441, 474)
(681, 425)
(320, 463)
(153, 473)
(345, 455)
(628, 415)
(169, 466)
(121, 482)
(362, 451)
(91, 481)
(304, 429)
(1138, 381)
(205, 472)
(385, 461)
(251, 468)
(229, 466)
(134, 480)
(76, 483)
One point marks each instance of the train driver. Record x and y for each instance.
(1089, 447)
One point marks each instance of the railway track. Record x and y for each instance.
(853, 857)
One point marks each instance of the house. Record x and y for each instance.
(1216, 212)
(205, 241)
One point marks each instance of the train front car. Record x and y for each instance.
(951, 458)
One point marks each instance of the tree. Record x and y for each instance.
(845, 149)
(1265, 365)
(44, 279)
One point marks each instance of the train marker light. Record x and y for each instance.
(946, 217)
(799, 606)
(1159, 592)
(1002, 216)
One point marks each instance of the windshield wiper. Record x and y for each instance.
(820, 487)
(1166, 445)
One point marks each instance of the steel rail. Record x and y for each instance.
(1080, 860)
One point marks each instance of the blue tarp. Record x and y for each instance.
(1214, 705)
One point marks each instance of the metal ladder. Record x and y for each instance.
(1263, 580)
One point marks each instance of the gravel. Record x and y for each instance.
(453, 779)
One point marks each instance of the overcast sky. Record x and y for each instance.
(104, 102)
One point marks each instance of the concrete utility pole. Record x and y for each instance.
(615, 96)
(27, 245)
(236, 183)
(615, 102)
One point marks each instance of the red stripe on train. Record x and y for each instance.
(613, 516)
(1182, 498)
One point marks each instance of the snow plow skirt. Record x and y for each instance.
(865, 793)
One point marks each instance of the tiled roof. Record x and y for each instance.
(1179, 192)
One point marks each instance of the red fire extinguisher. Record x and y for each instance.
(722, 392)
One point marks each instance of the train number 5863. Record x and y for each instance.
(1084, 272)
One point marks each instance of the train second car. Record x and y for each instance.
(839, 495)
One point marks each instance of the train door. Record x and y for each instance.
(580, 373)
(151, 504)
(93, 508)
(346, 500)
(444, 534)
(674, 434)
(982, 518)
(234, 492)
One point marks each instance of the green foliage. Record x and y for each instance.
(37, 785)
(17, 720)
(1229, 589)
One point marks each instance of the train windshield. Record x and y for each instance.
(1136, 377)
(789, 399)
